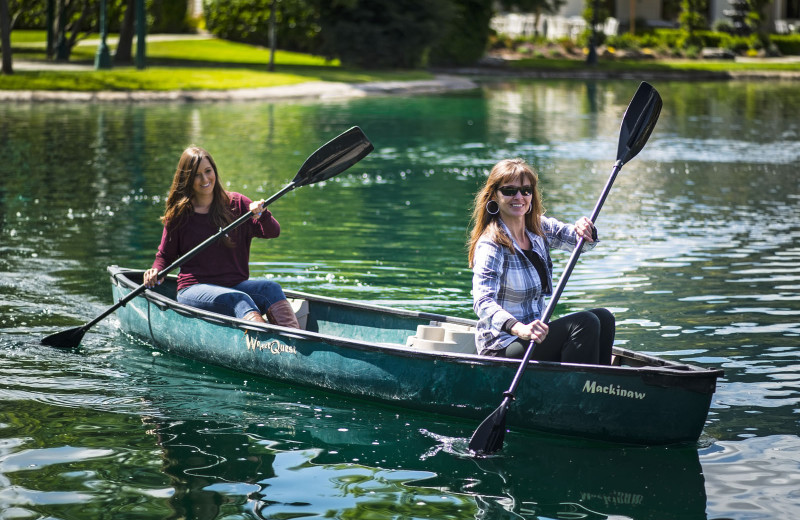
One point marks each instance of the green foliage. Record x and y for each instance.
(787, 44)
(670, 37)
(382, 33)
(692, 20)
(28, 14)
(465, 37)
(652, 40)
(192, 65)
(677, 41)
(736, 44)
(625, 41)
(246, 22)
(603, 12)
(296, 21)
(167, 16)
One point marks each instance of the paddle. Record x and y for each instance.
(637, 125)
(330, 159)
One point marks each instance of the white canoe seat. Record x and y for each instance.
(300, 308)
(448, 337)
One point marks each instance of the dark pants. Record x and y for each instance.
(584, 337)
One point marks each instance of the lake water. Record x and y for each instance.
(699, 260)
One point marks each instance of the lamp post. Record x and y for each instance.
(141, 30)
(62, 48)
(50, 18)
(591, 58)
(102, 58)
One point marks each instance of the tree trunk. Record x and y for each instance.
(124, 54)
(272, 36)
(5, 37)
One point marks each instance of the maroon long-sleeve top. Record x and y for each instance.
(218, 264)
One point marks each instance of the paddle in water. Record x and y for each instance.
(332, 158)
(637, 124)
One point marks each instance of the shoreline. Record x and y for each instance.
(444, 80)
(314, 90)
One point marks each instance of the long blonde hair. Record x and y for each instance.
(504, 172)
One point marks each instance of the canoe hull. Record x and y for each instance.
(360, 350)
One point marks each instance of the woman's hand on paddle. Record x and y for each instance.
(150, 280)
(257, 207)
(535, 331)
(585, 229)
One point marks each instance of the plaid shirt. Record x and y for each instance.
(506, 285)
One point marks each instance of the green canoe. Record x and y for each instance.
(427, 362)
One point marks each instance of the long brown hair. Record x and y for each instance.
(504, 172)
(179, 200)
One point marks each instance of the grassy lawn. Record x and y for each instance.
(659, 65)
(183, 65)
(200, 64)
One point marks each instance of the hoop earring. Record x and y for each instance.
(492, 204)
(530, 208)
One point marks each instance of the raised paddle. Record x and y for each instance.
(637, 125)
(330, 159)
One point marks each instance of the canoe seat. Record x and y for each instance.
(440, 336)
(300, 307)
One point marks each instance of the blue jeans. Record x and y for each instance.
(238, 301)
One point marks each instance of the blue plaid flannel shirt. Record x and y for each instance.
(506, 285)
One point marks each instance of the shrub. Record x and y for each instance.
(248, 22)
(463, 39)
(736, 44)
(168, 16)
(382, 33)
(710, 38)
(670, 37)
(625, 41)
(787, 44)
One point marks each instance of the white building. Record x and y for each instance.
(781, 16)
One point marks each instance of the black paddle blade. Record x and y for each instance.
(70, 338)
(488, 438)
(638, 123)
(334, 157)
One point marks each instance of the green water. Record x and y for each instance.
(699, 262)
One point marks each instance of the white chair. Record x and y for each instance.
(781, 27)
(576, 26)
(611, 26)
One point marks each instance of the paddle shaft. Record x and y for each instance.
(191, 254)
(562, 282)
(637, 125)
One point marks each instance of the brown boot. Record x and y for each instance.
(281, 313)
(253, 316)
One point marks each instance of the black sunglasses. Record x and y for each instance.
(510, 191)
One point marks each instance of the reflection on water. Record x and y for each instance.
(212, 444)
(698, 260)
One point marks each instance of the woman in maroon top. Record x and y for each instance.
(217, 279)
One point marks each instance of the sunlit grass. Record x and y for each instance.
(210, 63)
(720, 66)
(189, 64)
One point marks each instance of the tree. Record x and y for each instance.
(5, 37)
(381, 33)
(124, 53)
(466, 34)
(73, 23)
(296, 22)
(692, 20)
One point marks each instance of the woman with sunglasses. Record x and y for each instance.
(512, 273)
(217, 279)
